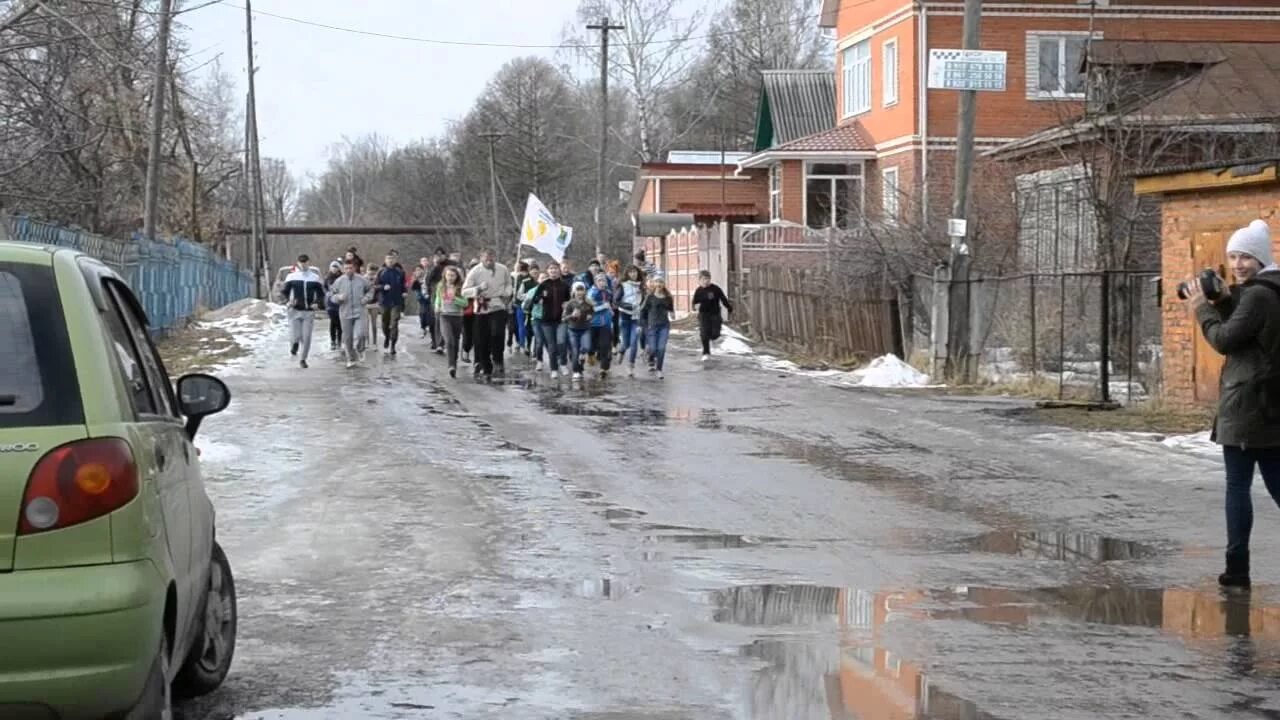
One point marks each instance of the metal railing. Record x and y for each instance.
(173, 280)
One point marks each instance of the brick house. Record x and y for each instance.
(889, 155)
(1199, 209)
(1152, 104)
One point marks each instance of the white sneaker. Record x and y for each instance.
(631, 371)
(538, 367)
(362, 355)
(555, 374)
(660, 375)
(350, 364)
(705, 357)
(577, 376)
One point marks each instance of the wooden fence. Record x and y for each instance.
(810, 312)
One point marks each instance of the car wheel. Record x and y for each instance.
(209, 660)
(156, 702)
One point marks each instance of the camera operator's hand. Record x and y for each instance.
(1195, 295)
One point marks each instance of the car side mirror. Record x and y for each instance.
(200, 396)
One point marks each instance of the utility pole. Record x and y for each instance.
(159, 88)
(959, 359)
(604, 27)
(493, 137)
(253, 163)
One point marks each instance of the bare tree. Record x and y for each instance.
(650, 59)
(744, 38)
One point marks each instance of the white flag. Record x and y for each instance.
(542, 232)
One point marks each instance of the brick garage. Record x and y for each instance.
(1200, 208)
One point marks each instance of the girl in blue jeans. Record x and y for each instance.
(630, 297)
(655, 315)
(578, 313)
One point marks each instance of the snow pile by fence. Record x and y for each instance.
(888, 371)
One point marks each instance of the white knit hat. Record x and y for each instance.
(1255, 241)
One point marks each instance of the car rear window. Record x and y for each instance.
(38, 383)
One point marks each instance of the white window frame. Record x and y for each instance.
(860, 177)
(890, 83)
(1034, 38)
(775, 192)
(856, 78)
(889, 191)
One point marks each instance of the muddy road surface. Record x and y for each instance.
(726, 543)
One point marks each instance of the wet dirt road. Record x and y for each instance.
(727, 543)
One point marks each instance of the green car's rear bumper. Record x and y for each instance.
(77, 642)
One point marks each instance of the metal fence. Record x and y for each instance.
(172, 280)
(1094, 334)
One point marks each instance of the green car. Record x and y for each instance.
(114, 594)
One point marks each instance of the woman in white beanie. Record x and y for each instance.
(1243, 323)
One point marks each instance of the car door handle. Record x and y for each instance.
(161, 459)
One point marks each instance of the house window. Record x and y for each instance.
(1054, 65)
(775, 192)
(889, 188)
(1057, 221)
(833, 195)
(856, 64)
(889, 61)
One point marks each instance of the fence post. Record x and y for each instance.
(1104, 372)
(1062, 335)
(1035, 361)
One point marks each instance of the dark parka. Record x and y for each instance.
(1245, 327)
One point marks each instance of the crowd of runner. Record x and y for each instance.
(480, 313)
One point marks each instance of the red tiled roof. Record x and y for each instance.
(844, 138)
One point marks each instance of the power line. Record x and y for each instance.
(539, 46)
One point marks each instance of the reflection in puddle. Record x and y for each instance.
(846, 673)
(827, 657)
(711, 541)
(1188, 613)
(1053, 546)
(606, 588)
(621, 513)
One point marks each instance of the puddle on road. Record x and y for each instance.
(826, 651)
(1059, 546)
(832, 665)
(621, 513)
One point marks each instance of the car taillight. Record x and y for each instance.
(78, 482)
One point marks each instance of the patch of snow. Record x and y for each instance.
(213, 452)
(251, 323)
(889, 371)
(733, 343)
(1197, 443)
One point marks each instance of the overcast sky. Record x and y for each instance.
(315, 85)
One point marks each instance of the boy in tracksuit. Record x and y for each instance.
(351, 292)
(303, 294)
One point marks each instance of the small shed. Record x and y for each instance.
(1200, 206)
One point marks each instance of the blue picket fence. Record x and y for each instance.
(171, 280)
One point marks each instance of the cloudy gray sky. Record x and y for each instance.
(314, 85)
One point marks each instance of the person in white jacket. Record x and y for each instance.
(490, 288)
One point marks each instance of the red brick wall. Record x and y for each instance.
(1010, 113)
(792, 190)
(1182, 216)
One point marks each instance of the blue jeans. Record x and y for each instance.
(630, 340)
(656, 338)
(579, 347)
(554, 337)
(1239, 464)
